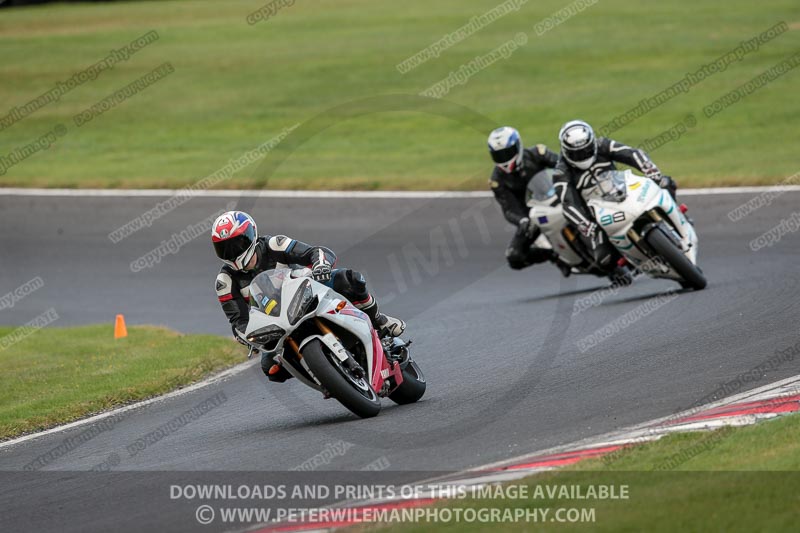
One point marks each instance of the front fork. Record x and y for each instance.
(638, 233)
(305, 375)
(669, 229)
(343, 355)
(395, 357)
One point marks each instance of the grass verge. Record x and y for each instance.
(63, 374)
(740, 479)
(237, 85)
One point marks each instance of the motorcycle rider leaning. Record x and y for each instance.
(514, 167)
(245, 255)
(583, 158)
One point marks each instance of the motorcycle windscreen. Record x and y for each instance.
(612, 185)
(505, 155)
(265, 291)
(540, 187)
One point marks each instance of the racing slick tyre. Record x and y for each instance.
(693, 277)
(413, 386)
(354, 392)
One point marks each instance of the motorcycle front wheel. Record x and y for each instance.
(693, 278)
(354, 392)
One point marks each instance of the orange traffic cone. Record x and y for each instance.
(119, 328)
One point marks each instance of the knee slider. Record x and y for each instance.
(266, 363)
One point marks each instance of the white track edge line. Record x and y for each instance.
(234, 193)
(215, 378)
(147, 193)
(242, 366)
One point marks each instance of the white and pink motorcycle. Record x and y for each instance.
(328, 344)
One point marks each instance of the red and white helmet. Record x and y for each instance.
(234, 235)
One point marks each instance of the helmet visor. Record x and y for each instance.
(231, 249)
(581, 154)
(506, 154)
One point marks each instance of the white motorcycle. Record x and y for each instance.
(328, 344)
(646, 226)
(557, 233)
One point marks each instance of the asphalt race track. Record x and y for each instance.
(499, 348)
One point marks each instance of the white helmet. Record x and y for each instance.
(505, 147)
(578, 144)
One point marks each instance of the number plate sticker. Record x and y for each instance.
(335, 346)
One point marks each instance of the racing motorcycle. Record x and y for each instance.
(560, 235)
(328, 344)
(647, 227)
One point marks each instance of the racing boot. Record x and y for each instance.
(385, 325)
(565, 269)
(622, 275)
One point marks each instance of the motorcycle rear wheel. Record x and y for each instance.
(413, 386)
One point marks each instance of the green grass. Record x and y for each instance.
(743, 479)
(236, 86)
(62, 374)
